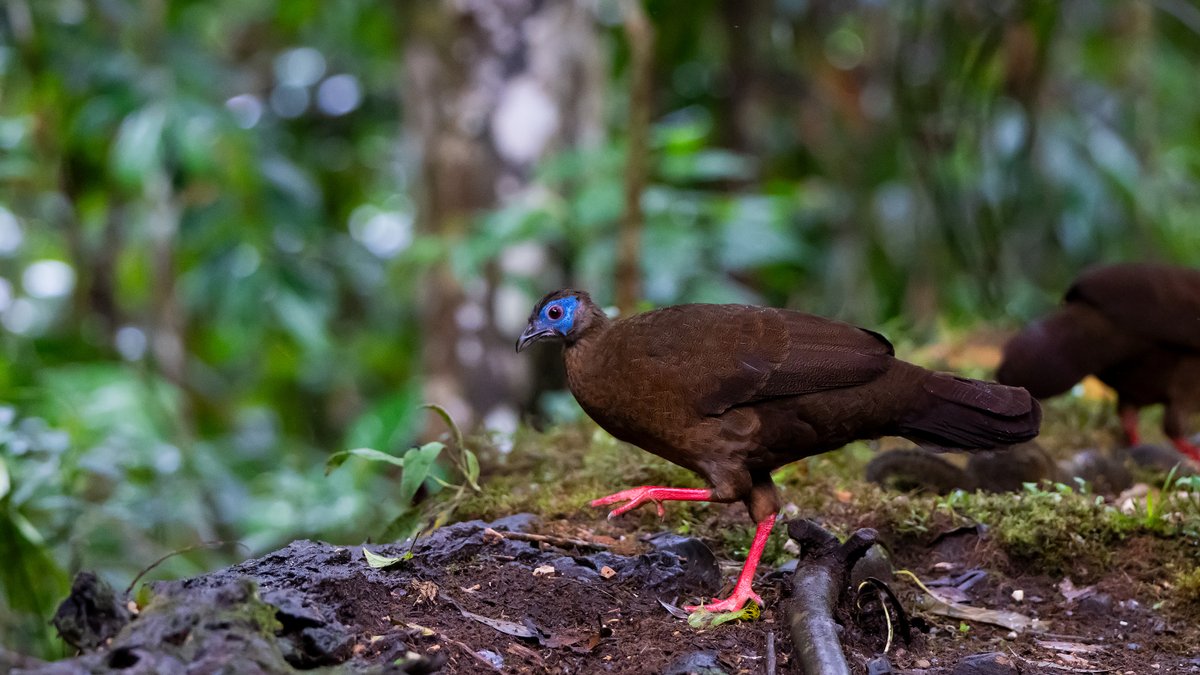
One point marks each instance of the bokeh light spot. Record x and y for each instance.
(299, 67)
(339, 95)
(48, 279)
(246, 109)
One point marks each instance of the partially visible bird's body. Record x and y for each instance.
(733, 392)
(1136, 327)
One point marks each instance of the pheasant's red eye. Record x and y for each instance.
(555, 312)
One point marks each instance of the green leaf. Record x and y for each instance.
(379, 562)
(27, 529)
(470, 465)
(702, 618)
(417, 463)
(472, 469)
(445, 415)
(144, 595)
(337, 459)
(26, 557)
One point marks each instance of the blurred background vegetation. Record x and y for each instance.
(237, 236)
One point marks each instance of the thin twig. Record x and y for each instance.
(1057, 666)
(461, 645)
(172, 554)
(771, 664)
(886, 615)
(553, 540)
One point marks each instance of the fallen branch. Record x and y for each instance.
(820, 578)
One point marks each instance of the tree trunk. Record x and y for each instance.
(640, 33)
(490, 86)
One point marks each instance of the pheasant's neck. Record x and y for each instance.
(583, 356)
(580, 351)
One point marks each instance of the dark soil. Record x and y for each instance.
(470, 601)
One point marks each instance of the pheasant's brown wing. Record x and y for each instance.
(725, 356)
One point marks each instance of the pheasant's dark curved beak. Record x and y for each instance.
(532, 334)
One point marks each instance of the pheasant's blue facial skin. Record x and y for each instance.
(559, 315)
(556, 319)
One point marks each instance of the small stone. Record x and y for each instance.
(1012, 635)
(1133, 646)
(923, 663)
(701, 573)
(698, 663)
(544, 571)
(607, 572)
(1018, 595)
(880, 666)
(322, 646)
(1096, 606)
(491, 657)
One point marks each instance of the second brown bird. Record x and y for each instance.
(1134, 326)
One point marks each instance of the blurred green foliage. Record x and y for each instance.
(209, 261)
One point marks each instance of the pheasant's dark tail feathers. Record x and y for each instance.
(965, 414)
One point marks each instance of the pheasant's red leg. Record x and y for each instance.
(742, 591)
(1129, 422)
(652, 493)
(1182, 445)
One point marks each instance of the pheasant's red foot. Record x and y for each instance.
(1129, 423)
(731, 604)
(650, 493)
(742, 591)
(1187, 449)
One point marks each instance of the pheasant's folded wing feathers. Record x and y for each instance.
(725, 356)
(825, 354)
